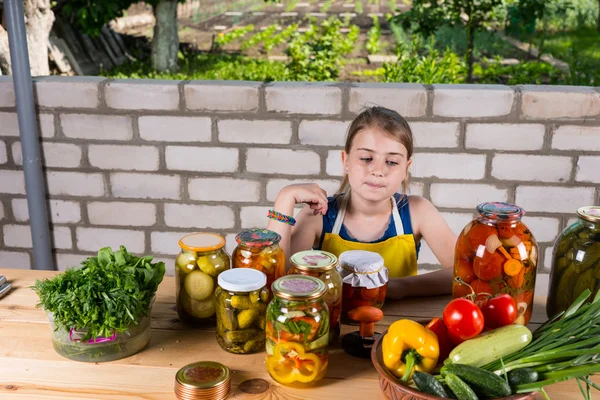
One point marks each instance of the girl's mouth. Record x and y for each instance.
(375, 186)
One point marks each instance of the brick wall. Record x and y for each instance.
(144, 162)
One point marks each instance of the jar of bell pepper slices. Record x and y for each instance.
(322, 264)
(365, 281)
(297, 331)
(496, 253)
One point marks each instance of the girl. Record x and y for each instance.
(367, 213)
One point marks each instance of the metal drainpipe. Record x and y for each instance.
(32, 163)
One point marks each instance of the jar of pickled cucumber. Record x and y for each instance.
(322, 264)
(496, 253)
(241, 301)
(365, 281)
(297, 331)
(259, 249)
(197, 267)
(575, 261)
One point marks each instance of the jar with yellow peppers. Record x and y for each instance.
(322, 264)
(201, 260)
(297, 331)
(241, 301)
(259, 249)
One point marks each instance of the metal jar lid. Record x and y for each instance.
(298, 287)
(314, 260)
(203, 380)
(589, 213)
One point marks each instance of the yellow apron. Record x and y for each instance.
(398, 252)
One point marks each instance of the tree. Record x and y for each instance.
(38, 23)
(426, 16)
(91, 15)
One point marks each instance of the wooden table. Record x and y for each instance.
(31, 369)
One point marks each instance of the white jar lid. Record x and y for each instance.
(361, 268)
(242, 279)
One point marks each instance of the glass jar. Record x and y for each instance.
(575, 261)
(365, 281)
(259, 249)
(322, 264)
(297, 331)
(496, 253)
(241, 301)
(197, 267)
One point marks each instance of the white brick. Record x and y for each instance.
(472, 100)
(254, 217)
(541, 284)
(145, 186)
(199, 217)
(323, 133)
(457, 221)
(230, 242)
(166, 242)
(96, 127)
(121, 213)
(134, 158)
(222, 95)
(3, 154)
(15, 260)
(505, 136)
(544, 229)
(1, 211)
(7, 92)
(175, 129)
(588, 169)
(553, 199)
(435, 134)
(416, 188)
(571, 137)
(67, 261)
(244, 131)
(274, 186)
(205, 159)
(61, 211)
(20, 236)
(571, 221)
(409, 100)
(169, 264)
(72, 91)
(54, 154)
(465, 195)
(146, 94)
(283, 161)
(554, 102)
(224, 189)
(93, 239)
(12, 182)
(304, 98)
(548, 257)
(74, 183)
(520, 167)
(9, 124)
(334, 166)
(448, 166)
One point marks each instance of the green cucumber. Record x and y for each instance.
(521, 376)
(428, 384)
(490, 346)
(483, 382)
(460, 388)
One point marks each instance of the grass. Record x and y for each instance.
(584, 42)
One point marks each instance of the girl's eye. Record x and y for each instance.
(366, 159)
(392, 163)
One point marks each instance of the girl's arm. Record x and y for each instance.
(428, 223)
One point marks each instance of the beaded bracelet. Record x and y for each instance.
(286, 219)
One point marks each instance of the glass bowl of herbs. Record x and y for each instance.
(100, 311)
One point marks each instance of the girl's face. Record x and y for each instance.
(376, 165)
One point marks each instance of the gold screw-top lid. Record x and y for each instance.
(298, 287)
(203, 380)
(589, 213)
(314, 260)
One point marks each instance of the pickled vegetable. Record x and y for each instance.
(354, 297)
(199, 285)
(198, 308)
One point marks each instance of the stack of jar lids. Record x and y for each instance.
(203, 380)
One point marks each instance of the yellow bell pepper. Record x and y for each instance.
(409, 346)
(290, 363)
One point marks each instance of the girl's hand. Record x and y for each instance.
(308, 193)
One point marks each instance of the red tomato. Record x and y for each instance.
(499, 311)
(437, 326)
(479, 233)
(489, 266)
(464, 269)
(463, 319)
(369, 294)
(459, 290)
(480, 286)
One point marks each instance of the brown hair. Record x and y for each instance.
(388, 121)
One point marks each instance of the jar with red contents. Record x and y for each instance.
(496, 253)
(365, 281)
(259, 249)
(322, 264)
